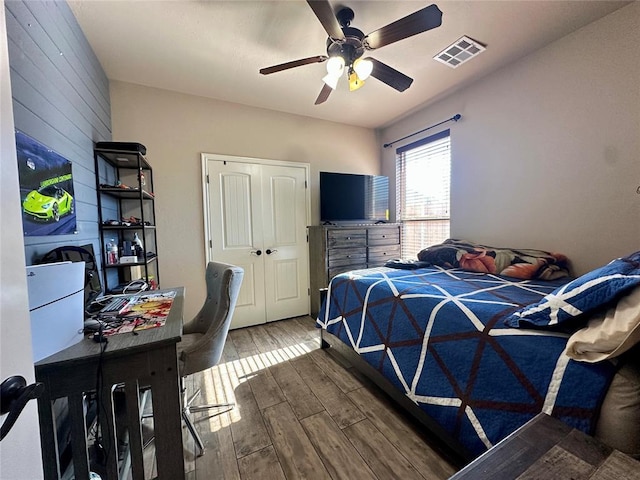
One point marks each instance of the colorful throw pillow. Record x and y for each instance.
(517, 263)
(608, 334)
(594, 290)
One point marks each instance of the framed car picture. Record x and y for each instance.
(46, 189)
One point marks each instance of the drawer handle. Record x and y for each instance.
(348, 238)
(348, 256)
(384, 236)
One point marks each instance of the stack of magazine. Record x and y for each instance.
(148, 310)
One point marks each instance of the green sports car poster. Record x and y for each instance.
(46, 189)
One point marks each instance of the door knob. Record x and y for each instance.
(268, 251)
(256, 252)
(14, 395)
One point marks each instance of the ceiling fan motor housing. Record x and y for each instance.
(350, 49)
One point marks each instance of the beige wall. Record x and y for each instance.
(177, 128)
(547, 154)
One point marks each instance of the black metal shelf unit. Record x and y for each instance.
(126, 206)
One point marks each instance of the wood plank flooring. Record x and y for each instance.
(301, 413)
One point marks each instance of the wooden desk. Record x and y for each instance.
(545, 448)
(147, 359)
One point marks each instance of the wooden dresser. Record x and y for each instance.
(335, 249)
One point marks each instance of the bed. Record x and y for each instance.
(461, 351)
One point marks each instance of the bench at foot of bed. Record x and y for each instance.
(544, 447)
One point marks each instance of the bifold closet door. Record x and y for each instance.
(257, 220)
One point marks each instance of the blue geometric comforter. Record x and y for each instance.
(438, 335)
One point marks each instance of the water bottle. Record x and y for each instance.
(112, 252)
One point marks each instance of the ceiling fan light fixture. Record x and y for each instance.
(335, 66)
(331, 80)
(363, 68)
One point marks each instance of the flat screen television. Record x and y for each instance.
(348, 197)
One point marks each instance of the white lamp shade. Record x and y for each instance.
(335, 66)
(331, 80)
(363, 68)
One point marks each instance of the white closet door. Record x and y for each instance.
(257, 218)
(236, 232)
(285, 240)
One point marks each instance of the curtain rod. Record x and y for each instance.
(455, 118)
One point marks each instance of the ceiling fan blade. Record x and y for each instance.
(390, 76)
(327, 18)
(293, 64)
(418, 22)
(324, 94)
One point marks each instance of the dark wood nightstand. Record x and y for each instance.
(545, 448)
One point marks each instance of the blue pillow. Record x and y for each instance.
(582, 295)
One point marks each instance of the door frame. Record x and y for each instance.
(16, 351)
(205, 157)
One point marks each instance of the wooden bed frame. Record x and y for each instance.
(455, 452)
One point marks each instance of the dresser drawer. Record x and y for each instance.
(384, 236)
(346, 238)
(379, 255)
(347, 256)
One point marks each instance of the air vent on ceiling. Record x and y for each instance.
(459, 52)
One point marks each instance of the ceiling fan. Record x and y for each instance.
(346, 45)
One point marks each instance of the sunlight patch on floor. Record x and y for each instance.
(221, 381)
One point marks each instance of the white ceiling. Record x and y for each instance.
(215, 48)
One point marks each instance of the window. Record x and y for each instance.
(423, 176)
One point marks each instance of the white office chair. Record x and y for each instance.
(204, 337)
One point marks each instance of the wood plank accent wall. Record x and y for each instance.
(61, 99)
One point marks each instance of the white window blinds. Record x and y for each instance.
(423, 175)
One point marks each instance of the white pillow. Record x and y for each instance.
(608, 334)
